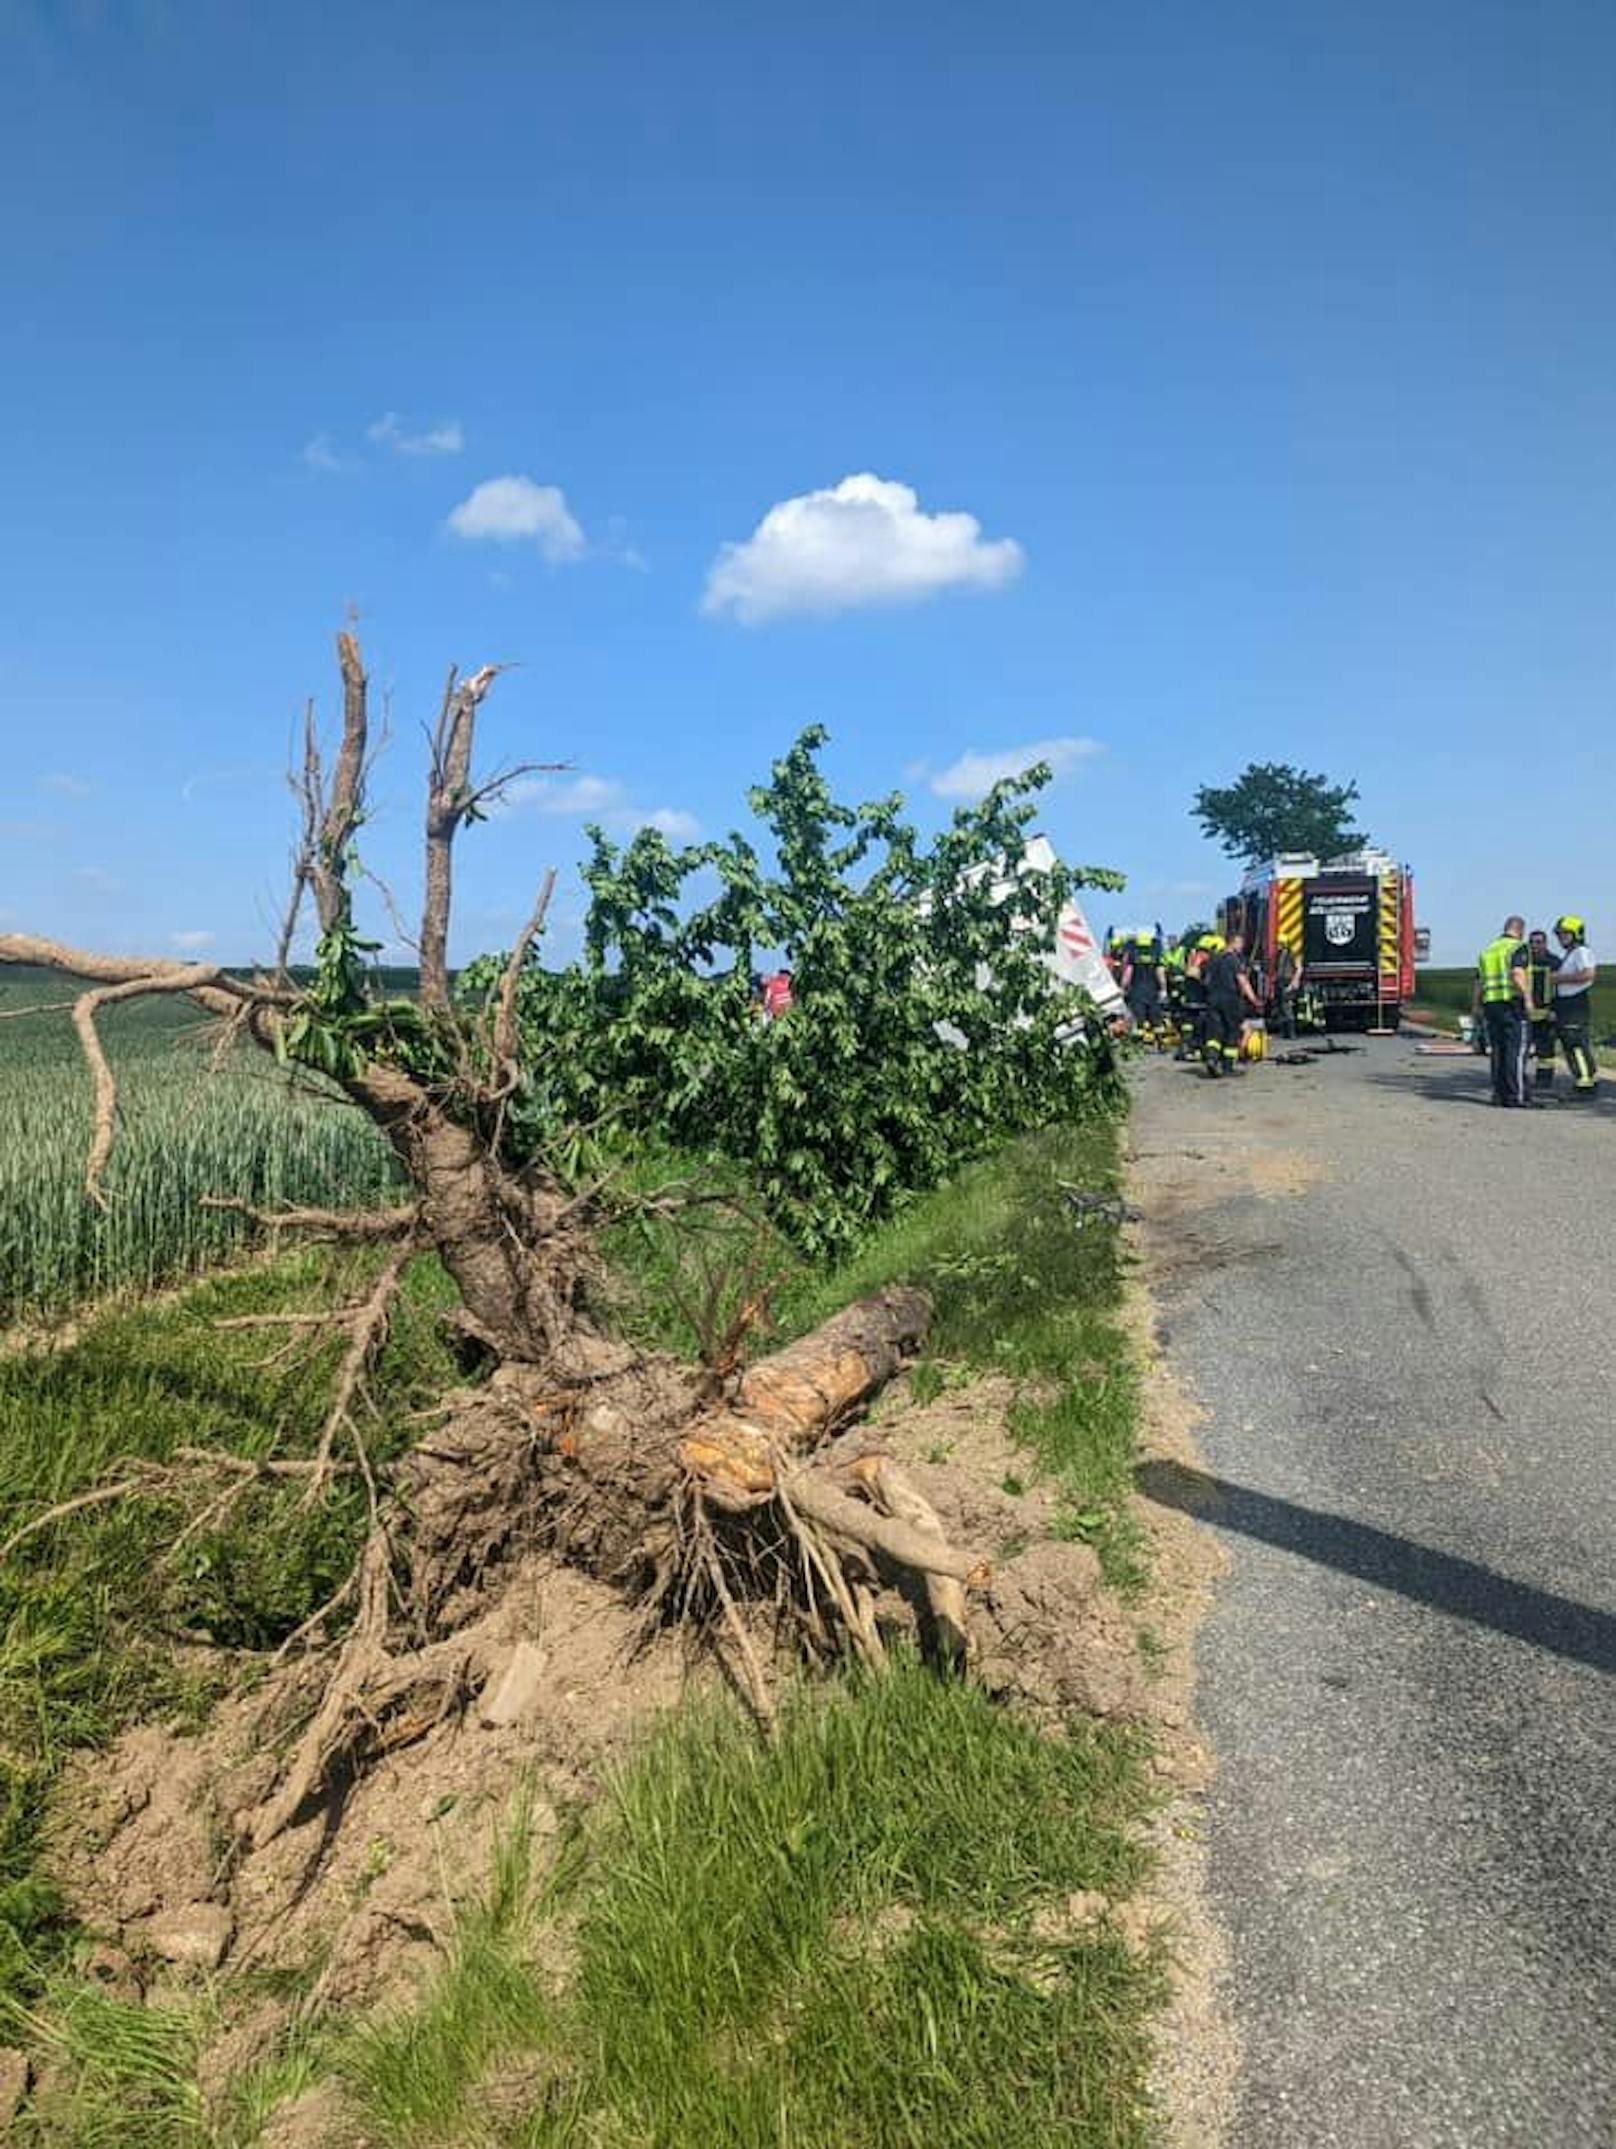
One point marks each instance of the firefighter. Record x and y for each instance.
(1573, 1003)
(1192, 1030)
(1172, 971)
(1542, 964)
(1229, 993)
(1504, 983)
(1141, 988)
(1287, 985)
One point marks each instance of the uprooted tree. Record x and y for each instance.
(694, 1496)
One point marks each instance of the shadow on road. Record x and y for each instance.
(1467, 1082)
(1458, 1586)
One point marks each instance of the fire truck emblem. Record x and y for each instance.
(1338, 929)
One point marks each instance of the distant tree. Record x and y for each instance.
(1272, 807)
(1193, 931)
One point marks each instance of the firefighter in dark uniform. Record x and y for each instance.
(1229, 996)
(1505, 984)
(1573, 982)
(1173, 982)
(1192, 1029)
(1141, 988)
(1542, 966)
(1287, 985)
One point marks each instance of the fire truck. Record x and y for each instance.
(1349, 922)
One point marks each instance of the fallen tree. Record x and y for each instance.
(702, 1505)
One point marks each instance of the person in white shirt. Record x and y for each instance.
(1573, 1003)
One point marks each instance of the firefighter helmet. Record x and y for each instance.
(1254, 1045)
(1572, 927)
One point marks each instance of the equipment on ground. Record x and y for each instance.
(1348, 921)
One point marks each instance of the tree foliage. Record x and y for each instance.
(926, 1024)
(1271, 807)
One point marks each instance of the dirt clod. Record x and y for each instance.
(196, 1935)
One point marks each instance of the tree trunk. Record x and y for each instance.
(504, 1238)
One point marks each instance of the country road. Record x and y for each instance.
(1394, 1306)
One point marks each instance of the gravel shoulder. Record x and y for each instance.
(1391, 1304)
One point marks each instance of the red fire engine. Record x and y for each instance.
(1348, 921)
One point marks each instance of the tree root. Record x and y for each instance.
(156, 1481)
(701, 1515)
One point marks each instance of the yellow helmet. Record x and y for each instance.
(1573, 927)
(1254, 1045)
(1213, 943)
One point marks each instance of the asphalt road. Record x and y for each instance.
(1395, 1304)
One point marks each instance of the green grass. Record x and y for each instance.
(185, 1131)
(90, 1609)
(1022, 1290)
(834, 1942)
(831, 1940)
(1448, 993)
(126, 2074)
(839, 1941)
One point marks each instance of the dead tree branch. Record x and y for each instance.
(367, 1324)
(505, 1038)
(449, 792)
(354, 1227)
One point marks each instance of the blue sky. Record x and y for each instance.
(1271, 352)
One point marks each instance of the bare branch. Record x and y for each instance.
(328, 873)
(493, 788)
(152, 1480)
(85, 1009)
(505, 1021)
(450, 794)
(306, 789)
(390, 901)
(357, 1226)
(367, 1324)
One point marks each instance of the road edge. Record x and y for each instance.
(1196, 2065)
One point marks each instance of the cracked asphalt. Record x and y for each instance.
(1394, 1304)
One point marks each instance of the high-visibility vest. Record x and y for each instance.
(1542, 976)
(1495, 963)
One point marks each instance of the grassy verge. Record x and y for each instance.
(1446, 995)
(851, 1937)
(1023, 1288)
(858, 1935)
(101, 1616)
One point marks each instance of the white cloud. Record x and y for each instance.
(448, 438)
(865, 541)
(98, 881)
(677, 825)
(973, 775)
(194, 941)
(318, 453)
(506, 511)
(601, 798)
(578, 794)
(69, 786)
